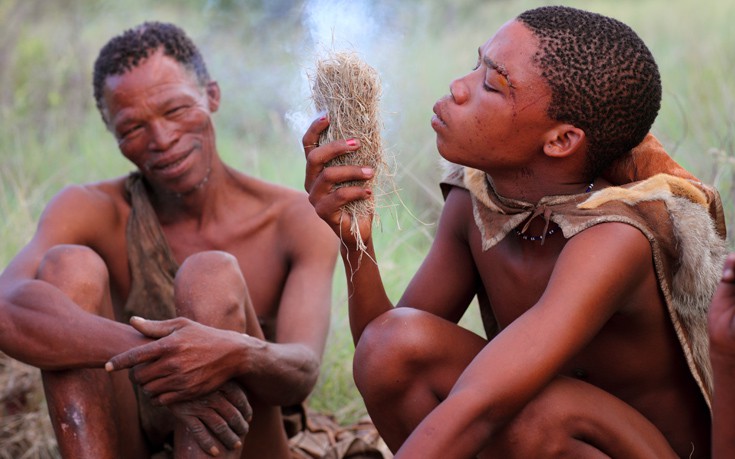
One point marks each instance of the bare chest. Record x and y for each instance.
(262, 258)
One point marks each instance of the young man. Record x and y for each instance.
(722, 354)
(594, 303)
(185, 238)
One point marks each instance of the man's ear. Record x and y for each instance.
(564, 140)
(213, 95)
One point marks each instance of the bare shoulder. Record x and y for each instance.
(622, 239)
(296, 221)
(88, 208)
(607, 253)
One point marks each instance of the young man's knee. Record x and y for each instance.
(79, 272)
(394, 343)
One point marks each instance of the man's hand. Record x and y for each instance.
(223, 415)
(187, 359)
(321, 182)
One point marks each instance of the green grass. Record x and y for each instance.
(51, 135)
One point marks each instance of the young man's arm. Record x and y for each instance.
(448, 283)
(591, 280)
(447, 280)
(367, 296)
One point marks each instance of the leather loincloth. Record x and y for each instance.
(152, 272)
(681, 218)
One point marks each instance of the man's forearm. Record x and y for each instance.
(278, 374)
(42, 327)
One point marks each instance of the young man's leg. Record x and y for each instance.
(407, 361)
(94, 414)
(210, 289)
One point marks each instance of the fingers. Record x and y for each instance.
(201, 435)
(236, 395)
(311, 137)
(213, 418)
(155, 328)
(150, 328)
(234, 418)
(318, 157)
(134, 356)
(221, 428)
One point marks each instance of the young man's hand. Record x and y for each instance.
(321, 183)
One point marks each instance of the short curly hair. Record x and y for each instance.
(603, 79)
(127, 50)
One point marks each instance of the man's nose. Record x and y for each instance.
(162, 134)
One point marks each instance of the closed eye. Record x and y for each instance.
(176, 110)
(130, 131)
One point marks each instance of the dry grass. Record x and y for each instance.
(349, 90)
(25, 428)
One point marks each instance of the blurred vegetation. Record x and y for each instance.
(260, 52)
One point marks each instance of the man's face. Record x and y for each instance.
(495, 116)
(162, 121)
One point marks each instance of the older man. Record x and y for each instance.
(235, 271)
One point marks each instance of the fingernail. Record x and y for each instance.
(368, 171)
(322, 115)
(137, 318)
(369, 192)
(351, 142)
(238, 445)
(214, 451)
(109, 367)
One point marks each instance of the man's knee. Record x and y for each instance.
(210, 284)
(394, 345)
(79, 272)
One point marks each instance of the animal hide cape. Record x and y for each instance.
(681, 218)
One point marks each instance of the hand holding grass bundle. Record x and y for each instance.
(349, 90)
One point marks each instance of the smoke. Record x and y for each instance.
(360, 26)
(341, 24)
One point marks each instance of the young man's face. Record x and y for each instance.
(161, 119)
(495, 116)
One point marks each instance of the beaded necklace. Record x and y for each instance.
(551, 231)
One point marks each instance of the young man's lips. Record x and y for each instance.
(437, 118)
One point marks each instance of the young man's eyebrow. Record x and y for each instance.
(500, 68)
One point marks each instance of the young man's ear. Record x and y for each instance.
(213, 95)
(564, 140)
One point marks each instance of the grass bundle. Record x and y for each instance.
(349, 91)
